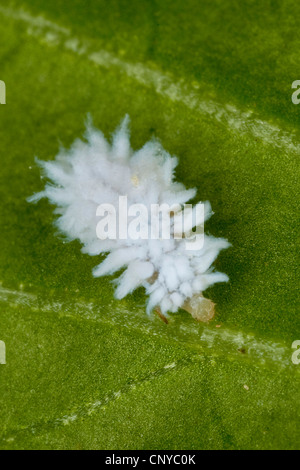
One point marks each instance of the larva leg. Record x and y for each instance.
(161, 316)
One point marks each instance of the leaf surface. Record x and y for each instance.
(85, 371)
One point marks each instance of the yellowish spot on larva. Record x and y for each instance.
(135, 181)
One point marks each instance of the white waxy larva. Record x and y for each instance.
(93, 173)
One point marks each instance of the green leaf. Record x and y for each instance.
(213, 83)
